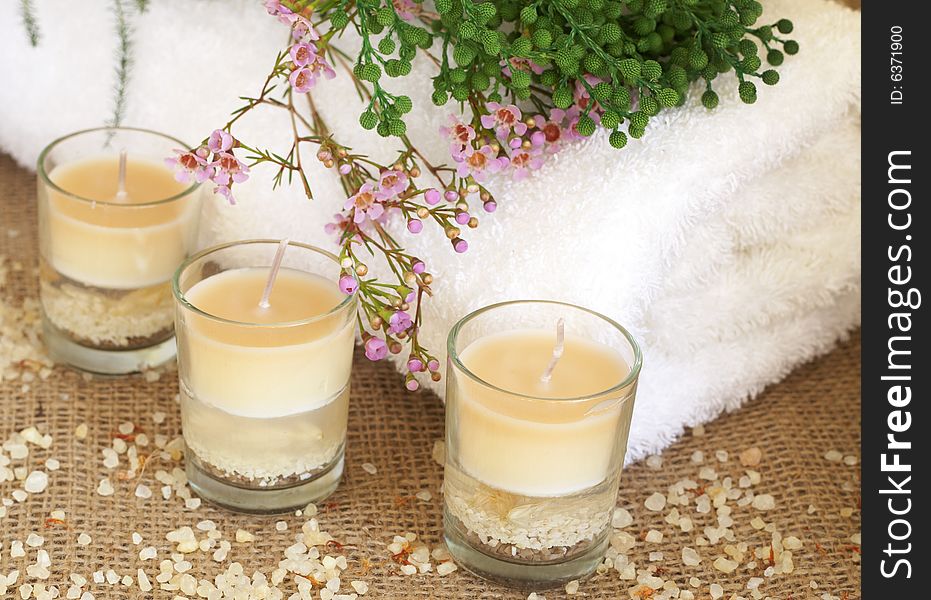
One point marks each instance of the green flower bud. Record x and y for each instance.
(667, 97)
(710, 99)
(594, 64)
(791, 47)
(407, 52)
(765, 32)
(747, 91)
(620, 98)
(562, 97)
(611, 119)
(522, 46)
(602, 91)
(396, 127)
(403, 104)
(480, 81)
(585, 125)
(386, 45)
(541, 38)
(770, 77)
(618, 139)
(463, 55)
(651, 70)
(709, 73)
(520, 79)
(393, 68)
(649, 105)
(639, 120)
(484, 11)
(385, 16)
(644, 25)
(522, 93)
(443, 6)
(775, 57)
(728, 19)
(440, 98)
(751, 64)
(611, 32)
(629, 68)
(697, 58)
(784, 26)
(654, 8)
(368, 120)
(461, 93)
(549, 77)
(491, 44)
(528, 15)
(468, 30)
(339, 19)
(370, 72)
(405, 66)
(383, 129)
(635, 131)
(719, 40)
(747, 47)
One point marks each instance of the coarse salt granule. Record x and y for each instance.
(84, 539)
(34, 540)
(243, 536)
(445, 568)
(137, 538)
(716, 591)
(621, 518)
(52, 464)
(572, 587)
(143, 491)
(654, 461)
(281, 526)
(360, 587)
(105, 488)
(833, 456)
(158, 417)
(369, 468)
(724, 565)
(654, 537)
(764, 502)
(690, 557)
(655, 502)
(424, 495)
(36, 482)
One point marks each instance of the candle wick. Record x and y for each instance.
(557, 351)
(273, 274)
(121, 176)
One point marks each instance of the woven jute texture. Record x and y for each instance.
(794, 423)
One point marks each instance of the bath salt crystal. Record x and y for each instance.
(572, 587)
(126, 580)
(716, 591)
(112, 577)
(84, 539)
(243, 536)
(19, 495)
(87, 596)
(34, 541)
(764, 502)
(656, 502)
(698, 457)
(685, 524)
(721, 455)
(708, 474)
(654, 537)
(119, 445)
(724, 565)
(424, 495)
(105, 488)
(409, 569)
(690, 557)
(535, 596)
(445, 568)
(158, 417)
(137, 539)
(855, 538)
(166, 492)
(833, 456)
(791, 543)
(654, 461)
(58, 514)
(754, 582)
(281, 526)
(36, 482)
(80, 431)
(698, 430)
(850, 460)
(362, 587)
(148, 553)
(369, 468)
(16, 549)
(656, 556)
(192, 503)
(126, 427)
(52, 464)
(621, 518)
(751, 457)
(143, 491)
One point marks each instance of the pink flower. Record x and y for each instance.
(399, 321)
(304, 78)
(303, 53)
(392, 182)
(188, 164)
(220, 141)
(523, 161)
(503, 119)
(348, 284)
(406, 9)
(481, 163)
(365, 204)
(338, 226)
(460, 135)
(375, 348)
(226, 192)
(229, 169)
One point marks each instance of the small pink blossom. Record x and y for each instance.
(481, 163)
(392, 182)
(366, 203)
(503, 119)
(229, 169)
(190, 165)
(399, 321)
(348, 284)
(220, 141)
(375, 348)
(303, 53)
(460, 136)
(338, 226)
(523, 161)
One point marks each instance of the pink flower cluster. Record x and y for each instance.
(309, 63)
(214, 162)
(369, 203)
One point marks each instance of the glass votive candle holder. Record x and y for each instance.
(538, 408)
(109, 245)
(264, 389)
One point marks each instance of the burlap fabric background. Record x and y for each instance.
(816, 409)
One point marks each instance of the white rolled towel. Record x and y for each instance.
(652, 235)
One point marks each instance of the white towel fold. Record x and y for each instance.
(727, 240)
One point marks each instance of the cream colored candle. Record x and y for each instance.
(538, 445)
(113, 241)
(263, 372)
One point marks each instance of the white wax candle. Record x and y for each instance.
(266, 372)
(530, 446)
(114, 243)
